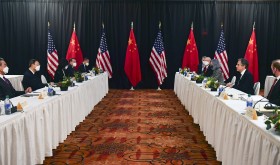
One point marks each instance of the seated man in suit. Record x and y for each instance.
(244, 82)
(60, 71)
(70, 67)
(31, 78)
(274, 93)
(84, 67)
(207, 69)
(201, 65)
(6, 88)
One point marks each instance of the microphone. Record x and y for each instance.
(258, 102)
(13, 108)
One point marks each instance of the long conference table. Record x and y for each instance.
(236, 139)
(26, 138)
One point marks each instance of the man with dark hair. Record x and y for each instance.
(244, 81)
(31, 78)
(274, 93)
(84, 67)
(6, 87)
(70, 67)
(207, 69)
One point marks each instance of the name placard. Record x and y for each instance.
(224, 95)
(21, 105)
(251, 113)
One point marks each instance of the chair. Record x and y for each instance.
(256, 87)
(233, 80)
(43, 79)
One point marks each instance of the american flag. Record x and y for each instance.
(157, 59)
(221, 55)
(103, 57)
(52, 56)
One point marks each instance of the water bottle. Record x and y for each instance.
(220, 90)
(204, 82)
(180, 70)
(50, 90)
(8, 106)
(249, 101)
(185, 73)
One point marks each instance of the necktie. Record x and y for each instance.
(6, 80)
(271, 89)
(205, 69)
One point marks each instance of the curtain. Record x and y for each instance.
(24, 24)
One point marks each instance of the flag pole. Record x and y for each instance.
(74, 26)
(49, 24)
(132, 89)
(103, 25)
(192, 26)
(222, 25)
(132, 25)
(254, 25)
(158, 89)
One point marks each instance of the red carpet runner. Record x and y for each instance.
(136, 127)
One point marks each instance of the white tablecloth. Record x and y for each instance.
(27, 138)
(268, 83)
(236, 139)
(16, 81)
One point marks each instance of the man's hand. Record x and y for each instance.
(28, 90)
(229, 85)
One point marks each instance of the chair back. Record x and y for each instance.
(43, 79)
(233, 80)
(256, 87)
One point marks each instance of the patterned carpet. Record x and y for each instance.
(136, 127)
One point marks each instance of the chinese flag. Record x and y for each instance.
(132, 62)
(252, 56)
(74, 50)
(190, 59)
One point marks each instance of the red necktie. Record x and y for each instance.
(271, 89)
(205, 69)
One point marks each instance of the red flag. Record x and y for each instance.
(74, 49)
(190, 59)
(132, 62)
(252, 56)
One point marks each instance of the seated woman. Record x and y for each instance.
(217, 72)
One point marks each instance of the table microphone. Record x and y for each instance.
(258, 102)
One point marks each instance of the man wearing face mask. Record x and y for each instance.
(84, 67)
(31, 78)
(201, 65)
(6, 87)
(207, 71)
(274, 93)
(70, 67)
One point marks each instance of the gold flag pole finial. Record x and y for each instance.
(159, 25)
(254, 25)
(74, 26)
(49, 24)
(192, 25)
(132, 25)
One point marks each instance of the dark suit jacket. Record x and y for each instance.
(274, 96)
(199, 68)
(8, 89)
(32, 80)
(245, 84)
(83, 68)
(70, 71)
(59, 75)
(209, 72)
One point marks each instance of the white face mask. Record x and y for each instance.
(206, 63)
(87, 64)
(6, 70)
(74, 64)
(37, 68)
